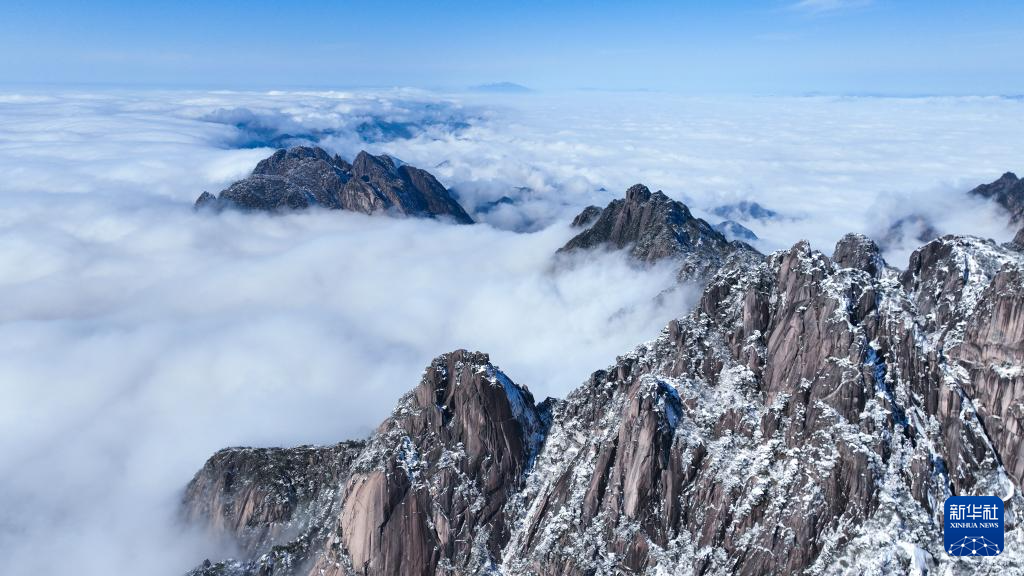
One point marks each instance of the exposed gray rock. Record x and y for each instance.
(431, 490)
(859, 252)
(586, 217)
(264, 497)
(653, 227)
(808, 417)
(303, 176)
(733, 230)
(1008, 192)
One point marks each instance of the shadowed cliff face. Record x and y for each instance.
(809, 416)
(262, 497)
(654, 227)
(1018, 240)
(1008, 192)
(302, 177)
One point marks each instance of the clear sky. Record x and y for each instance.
(773, 46)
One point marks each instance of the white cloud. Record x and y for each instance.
(139, 337)
(136, 337)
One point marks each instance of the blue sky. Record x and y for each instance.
(786, 46)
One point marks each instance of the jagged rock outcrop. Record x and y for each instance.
(304, 176)
(809, 416)
(430, 492)
(262, 497)
(1008, 192)
(586, 217)
(653, 227)
(859, 252)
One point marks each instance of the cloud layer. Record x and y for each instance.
(137, 337)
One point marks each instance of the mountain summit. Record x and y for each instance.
(654, 227)
(306, 176)
(1008, 192)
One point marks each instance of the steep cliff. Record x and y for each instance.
(264, 498)
(432, 490)
(1008, 192)
(810, 416)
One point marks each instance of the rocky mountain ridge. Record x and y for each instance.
(653, 228)
(307, 176)
(1008, 192)
(808, 417)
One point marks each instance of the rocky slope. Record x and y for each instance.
(653, 227)
(303, 176)
(1008, 192)
(810, 416)
(1018, 240)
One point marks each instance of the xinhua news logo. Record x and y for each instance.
(973, 526)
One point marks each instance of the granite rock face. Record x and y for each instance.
(653, 227)
(432, 490)
(1008, 192)
(263, 497)
(809, 416)
(859, 252)
(304, 176)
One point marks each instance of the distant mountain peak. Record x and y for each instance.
(744, 210)
(654, 227)
(1008, 192)
(306, 176)
(733, 230)
(508, 87)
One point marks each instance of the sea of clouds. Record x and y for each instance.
(137, 337)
